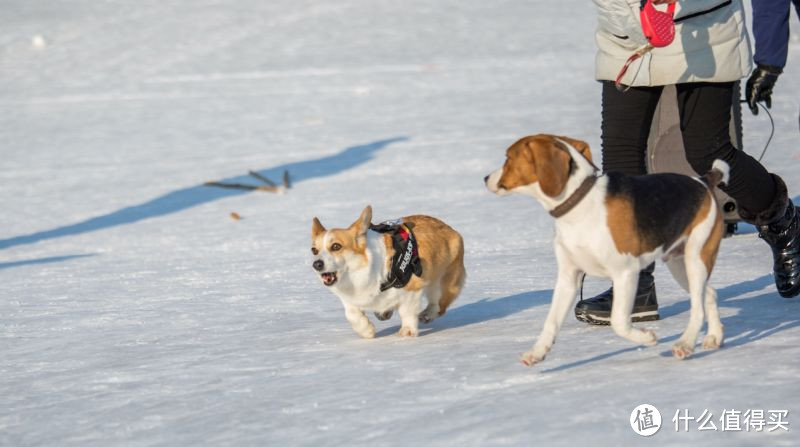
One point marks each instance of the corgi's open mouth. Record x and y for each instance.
(328, 278)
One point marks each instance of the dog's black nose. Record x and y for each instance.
(486, 179)
(318, 265)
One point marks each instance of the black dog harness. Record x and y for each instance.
(406, 261)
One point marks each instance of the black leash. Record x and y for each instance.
(771, 133)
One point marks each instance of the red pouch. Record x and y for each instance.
(658, 26)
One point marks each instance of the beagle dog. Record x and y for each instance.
(612, 225)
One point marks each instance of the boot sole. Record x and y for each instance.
(597, 320)
(789, 294)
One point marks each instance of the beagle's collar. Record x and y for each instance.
(573, 200)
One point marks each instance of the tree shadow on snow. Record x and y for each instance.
(48, 260)
(759, 317)
(182, 199)
(481, 312)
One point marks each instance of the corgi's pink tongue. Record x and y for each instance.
(329, 278)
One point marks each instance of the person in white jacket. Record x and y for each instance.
(709, 55)
(711, 44)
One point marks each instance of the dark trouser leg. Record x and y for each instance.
(626, 120)
(627, 117)
(705, 111)
(762, 197)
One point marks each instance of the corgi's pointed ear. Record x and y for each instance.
(316, 228)
(361, 225)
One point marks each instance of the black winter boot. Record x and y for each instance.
(597, 310)
(779, 226)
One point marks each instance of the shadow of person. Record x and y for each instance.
(182, 199)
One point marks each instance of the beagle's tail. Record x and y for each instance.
(719, 174)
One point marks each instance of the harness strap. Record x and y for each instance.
(406, 261)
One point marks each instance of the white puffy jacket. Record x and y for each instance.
(711, 44)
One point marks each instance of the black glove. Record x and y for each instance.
(759, 86)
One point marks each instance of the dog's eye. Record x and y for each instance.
(336, 247)
(314, 251)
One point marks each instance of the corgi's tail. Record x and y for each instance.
(719, 174)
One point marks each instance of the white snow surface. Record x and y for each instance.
(135, 311)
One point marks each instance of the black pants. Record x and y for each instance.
(705, 112)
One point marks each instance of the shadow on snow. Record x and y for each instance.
(758, 318)
(480, 312)
(48, 260)
(196, 195)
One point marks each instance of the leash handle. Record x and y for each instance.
(636, 55)
(658, 26)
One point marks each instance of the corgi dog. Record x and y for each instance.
(370, 269)
(612, 225)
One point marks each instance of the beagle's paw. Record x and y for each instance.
(682, 350)
(650, 338)
(712, 341)
(534, 356)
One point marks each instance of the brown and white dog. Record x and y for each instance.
(356, 261)
(613, 225)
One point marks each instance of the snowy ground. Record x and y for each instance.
(135, 311)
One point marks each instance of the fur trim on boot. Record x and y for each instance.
(774, 211)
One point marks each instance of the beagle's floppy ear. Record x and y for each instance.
(361, 225)
(552, 165)
(316, 228)
(581, 146)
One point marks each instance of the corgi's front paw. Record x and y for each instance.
(407, 332)
(428, 316)
(367, 332)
